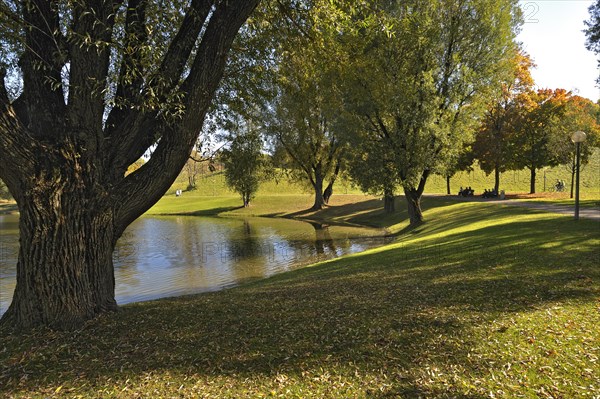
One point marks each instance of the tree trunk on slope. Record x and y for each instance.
(413, 200)
(448, 177)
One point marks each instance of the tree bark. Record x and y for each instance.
(497, 179)
(448, 177)
(532, 181)
(318, 186)
(65, 272)
(389, 203)
(413, 200)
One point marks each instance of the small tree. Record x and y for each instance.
(204, 151)
(371, 165)
(244, 164)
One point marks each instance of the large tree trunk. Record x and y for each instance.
(413, 201)
(532, 180)
(448, 177)
(65, 272)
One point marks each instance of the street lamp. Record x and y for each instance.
(577, 138)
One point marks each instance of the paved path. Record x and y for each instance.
(584, 212)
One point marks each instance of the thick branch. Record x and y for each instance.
(41, 64)
(141, 189)
(132, 133)
(132, 68)
(18, 149)
(89, 48)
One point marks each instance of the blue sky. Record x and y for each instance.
(552, 35)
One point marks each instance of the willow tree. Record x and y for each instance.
(303, 115)
(421, 80)
(538, 123)
(103, 81)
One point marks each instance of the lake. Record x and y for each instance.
(177, 255)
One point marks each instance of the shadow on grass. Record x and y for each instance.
(368, 213)
(395, 309)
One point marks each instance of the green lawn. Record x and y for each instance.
(482, 301)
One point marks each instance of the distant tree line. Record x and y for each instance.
(389, 94)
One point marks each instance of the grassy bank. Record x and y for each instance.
(343, 208)
(482, 301)
(213, 184)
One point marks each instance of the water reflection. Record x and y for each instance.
(168, 256)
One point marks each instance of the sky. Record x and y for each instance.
(552, 35)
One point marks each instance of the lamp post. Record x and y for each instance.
(577, 138)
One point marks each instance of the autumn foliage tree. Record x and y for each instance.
(581, 114)
(538, 123)
(102, 82)
(493, 146)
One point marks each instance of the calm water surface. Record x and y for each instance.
(176, 255)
